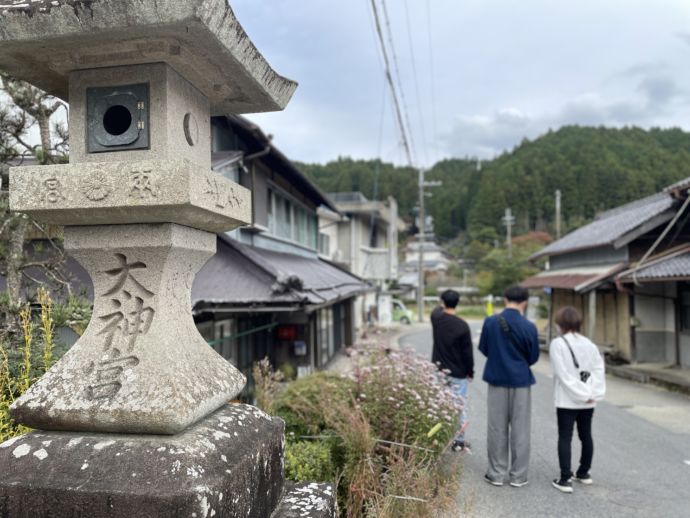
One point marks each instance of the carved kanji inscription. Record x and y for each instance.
(130, 317)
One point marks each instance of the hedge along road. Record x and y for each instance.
(641, 452)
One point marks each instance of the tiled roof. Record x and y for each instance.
(577, 279)
(243, 275)
(613, 225)
(564, 282)
(672, 267)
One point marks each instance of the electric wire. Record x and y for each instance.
(434, 127)
(425, 142)
(391, 84)
(398, 77)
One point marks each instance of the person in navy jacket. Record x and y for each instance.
(511, 345)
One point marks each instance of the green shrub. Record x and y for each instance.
(309, 461)
(300, 405)
(392, 397)
(288, 370)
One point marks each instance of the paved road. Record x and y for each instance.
(641, 460)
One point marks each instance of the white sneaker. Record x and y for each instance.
(519, 484)
(564, 486)
(586, 480)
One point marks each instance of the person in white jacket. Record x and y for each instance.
(579, 382)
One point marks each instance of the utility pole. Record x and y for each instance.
(509, 221)
(558, 213)
(421, 240)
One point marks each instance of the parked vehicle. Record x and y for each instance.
(401, 313)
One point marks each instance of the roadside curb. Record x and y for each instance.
(661, 379)
(628, 374)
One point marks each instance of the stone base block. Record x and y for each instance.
(227, 465)
(308, 501)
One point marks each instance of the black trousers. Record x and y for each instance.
(567, 417)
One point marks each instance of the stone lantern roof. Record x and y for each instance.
(42, 41)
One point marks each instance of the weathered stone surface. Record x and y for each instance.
(228, 465)
(171, 98)
(147, 191)
(141, 365)
(201, 39)
(308, 501)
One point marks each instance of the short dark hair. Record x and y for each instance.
(516, 293)
(450, 298)
(569, 320)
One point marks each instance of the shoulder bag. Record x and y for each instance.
(584, 375)
(506, 329)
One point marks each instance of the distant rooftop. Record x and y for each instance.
(348, 197)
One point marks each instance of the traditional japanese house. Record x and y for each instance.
(266, 292)
(627, 272)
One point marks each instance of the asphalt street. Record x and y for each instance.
(641, 460)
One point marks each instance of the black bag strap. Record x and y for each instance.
(577, 365)
(506, 329)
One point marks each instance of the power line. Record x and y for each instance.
(416, 83)
(434, 127)
(398, 77)
(391, 85)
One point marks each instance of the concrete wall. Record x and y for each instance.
(655, 330)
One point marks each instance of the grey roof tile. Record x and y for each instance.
(240, 274)
(672, 268)
(611, 225)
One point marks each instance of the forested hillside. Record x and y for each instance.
(595, 169)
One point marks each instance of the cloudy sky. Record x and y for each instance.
(493, 72)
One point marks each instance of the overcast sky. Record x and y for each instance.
(502, 70)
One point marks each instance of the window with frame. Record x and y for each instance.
(324, 244)
(300, 225)
(284, 217)
(292, 221)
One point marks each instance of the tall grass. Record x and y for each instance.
(35, 358)
(384, 433)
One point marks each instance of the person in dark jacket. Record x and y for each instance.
(452, 352)
(511, 345)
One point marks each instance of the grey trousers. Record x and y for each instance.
(508, 431)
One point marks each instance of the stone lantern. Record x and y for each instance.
(134, 420)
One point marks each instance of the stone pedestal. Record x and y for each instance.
(228, 465)
(141, 366)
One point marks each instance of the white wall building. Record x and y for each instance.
(364, 240)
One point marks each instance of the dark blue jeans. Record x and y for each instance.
(567, 417)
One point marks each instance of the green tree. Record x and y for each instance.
(23, 108)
